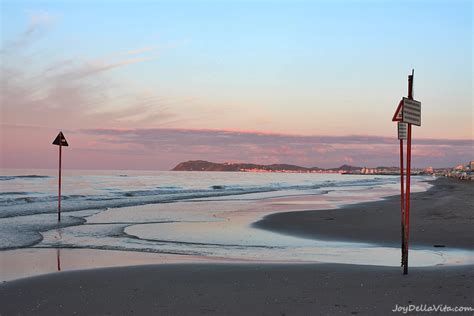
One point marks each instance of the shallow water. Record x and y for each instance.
(196, 214)
(28, 198)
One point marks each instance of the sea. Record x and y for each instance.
(193, 214)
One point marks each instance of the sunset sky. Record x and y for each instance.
(147, 84)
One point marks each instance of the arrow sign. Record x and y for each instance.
(60, 140)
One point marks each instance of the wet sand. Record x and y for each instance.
(441, 216)
(244, 289)
(22, 263)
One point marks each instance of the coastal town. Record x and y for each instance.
(461, 171)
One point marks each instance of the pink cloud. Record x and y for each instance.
(73, 92)
(161, 148)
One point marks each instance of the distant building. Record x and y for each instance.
(428, 170)
(462, 172)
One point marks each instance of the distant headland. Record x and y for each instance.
(202, 165)
(463, 171)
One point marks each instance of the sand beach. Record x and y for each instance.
(441, 215)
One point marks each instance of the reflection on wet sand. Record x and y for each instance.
(58, 258)
(22, 263)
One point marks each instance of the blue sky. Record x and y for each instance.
(294, 67)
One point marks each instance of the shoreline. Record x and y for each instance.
(44, 258)
(441, 216)
(165, 287)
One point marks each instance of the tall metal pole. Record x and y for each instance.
(407, 196)
(402, 199)
(407, 208)
(59, 184)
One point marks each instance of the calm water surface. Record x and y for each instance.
(201, 214)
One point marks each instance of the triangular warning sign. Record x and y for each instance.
(60, 140)
(397, 117)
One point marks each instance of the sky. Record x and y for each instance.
(148, 84)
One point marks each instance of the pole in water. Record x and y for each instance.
(59, 184)
(60, 141)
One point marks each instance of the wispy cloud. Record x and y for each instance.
(95, 67)
(73, 91)
(140, 50)
(39, 23)
(213, 136)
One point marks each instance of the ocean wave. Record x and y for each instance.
(13, 193)
(33, 199)
(25, 231)
(218, 187)
(28, 205)
(31, 176)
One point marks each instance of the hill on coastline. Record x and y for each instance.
(201, 165)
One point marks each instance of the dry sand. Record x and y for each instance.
(217, 289)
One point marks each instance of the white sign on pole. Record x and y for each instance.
(411, 112)
(402, 130)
